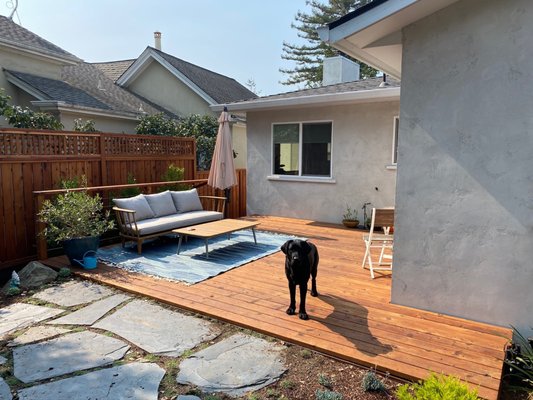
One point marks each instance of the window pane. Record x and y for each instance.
(286, 149)
(316, 152)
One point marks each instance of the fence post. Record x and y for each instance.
(42, 248)
(103, 161)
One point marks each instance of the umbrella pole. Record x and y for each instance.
(227, 193)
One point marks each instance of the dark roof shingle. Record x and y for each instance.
(16, 35)
(53, 89)
(114, 69)
(355, 86)
(220, 88)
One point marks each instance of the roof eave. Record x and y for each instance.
(362, 96)
(364, 35)
(37, 53)
(61, 106)
(23, 85)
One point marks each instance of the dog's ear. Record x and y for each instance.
(306, 247)
(285, 246)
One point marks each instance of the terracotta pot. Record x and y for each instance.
(350, 223)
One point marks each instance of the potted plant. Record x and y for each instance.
(349, 218)
(75, 220)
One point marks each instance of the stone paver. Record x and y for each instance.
(73, 293)
(37, 333)
(5, 392)
(136, 381)
(19, 315)
(3, 360)
(188, 397)
(91, 313)
(66, 354)
(236, 365)
(157, 330)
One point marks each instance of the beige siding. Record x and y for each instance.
(158, 85)
(103, 124)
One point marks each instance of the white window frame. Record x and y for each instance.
(395, 133)
(300, 177)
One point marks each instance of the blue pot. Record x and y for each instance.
(75, 249)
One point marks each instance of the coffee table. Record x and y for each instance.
(216, 228)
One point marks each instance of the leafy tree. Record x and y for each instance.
(309, 57)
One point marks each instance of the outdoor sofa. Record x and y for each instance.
(147, 216)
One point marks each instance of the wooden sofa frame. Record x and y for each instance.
(127, 223)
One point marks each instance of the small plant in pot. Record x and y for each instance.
(75, 219)
(349, 218)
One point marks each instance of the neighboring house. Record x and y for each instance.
(464, 197)
(179, 86)
(316, 151)
(42, 76)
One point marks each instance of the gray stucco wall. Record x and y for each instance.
(361, 150)
(464, 200)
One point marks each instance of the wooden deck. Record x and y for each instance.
(352, 319)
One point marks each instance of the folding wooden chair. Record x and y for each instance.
(381, 218)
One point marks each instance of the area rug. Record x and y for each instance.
(191, 266)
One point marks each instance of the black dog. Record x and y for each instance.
(301, 262)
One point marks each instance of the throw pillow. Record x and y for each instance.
(138, 204)
(187, 200)
(161, 203)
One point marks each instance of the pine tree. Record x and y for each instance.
(308, 57)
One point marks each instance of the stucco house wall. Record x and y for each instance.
(361, 151)
(101, 123)
(464, 200)
(158, 85)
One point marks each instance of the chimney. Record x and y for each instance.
(339, 69)
(157, 40)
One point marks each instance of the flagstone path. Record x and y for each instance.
(40, 351)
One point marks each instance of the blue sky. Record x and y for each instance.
(238, 38)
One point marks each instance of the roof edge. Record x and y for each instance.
(361, 96)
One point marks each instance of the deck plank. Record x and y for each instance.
(352, 319)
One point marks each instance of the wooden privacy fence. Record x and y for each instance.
(37, 161)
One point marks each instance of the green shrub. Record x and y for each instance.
(74, 214)
(437, 387)
(64, 273)
(13, 291)
(325, 381)
(204, 129)
(174, 173)
(372, 383)
(519, 359)
(84, 126)
(19, 117)
(327, 395)
(131, 191)
(156, 124)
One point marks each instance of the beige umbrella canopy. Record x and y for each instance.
(222, 173)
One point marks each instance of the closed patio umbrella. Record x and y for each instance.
(222, 173)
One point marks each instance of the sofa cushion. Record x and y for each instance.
(138, 204)
(161, 203)
(169, 222)
(187, 200)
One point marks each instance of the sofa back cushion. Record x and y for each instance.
(138, 204)
(161, 203)
(187, 200)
